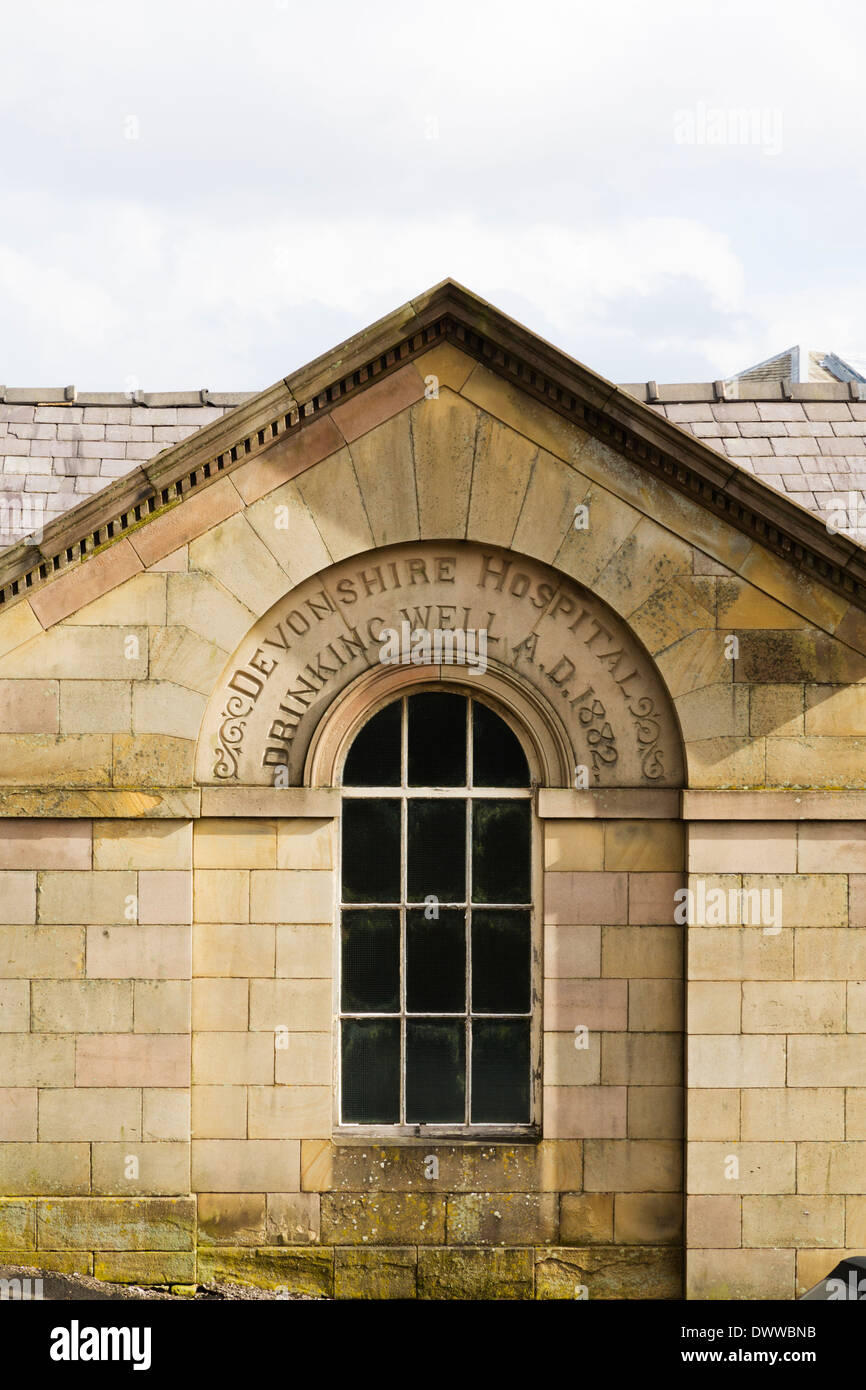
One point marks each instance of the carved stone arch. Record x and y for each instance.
(535, 724)
(567, 667)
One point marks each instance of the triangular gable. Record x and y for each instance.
(122, 529)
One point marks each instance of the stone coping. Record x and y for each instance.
(682, 393)
(315, 802)
(773, 804)
(652, 392)
(627, 803)
(155, 400)
(323, 803)
(648, 803)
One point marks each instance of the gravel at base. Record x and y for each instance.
(57, 1288)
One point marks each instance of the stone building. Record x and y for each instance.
(433, 856)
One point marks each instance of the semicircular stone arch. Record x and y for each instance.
(556, 655)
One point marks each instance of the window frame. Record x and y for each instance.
(426, 1133)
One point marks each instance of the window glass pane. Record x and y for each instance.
(437, 740)
(497, 757)
(371, 1071)
(436, 962)
(500, 1071)
(374, 758)
(500, 962)
(437, 850)
(500, 851)
(371, 850)
(371, 960)
(435, 1072)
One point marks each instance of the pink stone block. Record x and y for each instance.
(164, 897)
(572, 952)
(89, 580)
(197, 513)
(833, 847)
(17, 898)
(651, 898)
(29, 707)
(378, 402)
(127, 1059)
(286, 458)
(740, 847)
(46, 844)
(599, 1005)
(18, 1113)
(596, 898)
(585, 1112)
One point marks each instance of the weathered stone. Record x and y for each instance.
(463, 1273)
(17, 1225)
(152, 760)
(609, 1272)
(230, 1218)
(294, 1218)
(382, 459)
(586, 1218)
(384, 1218)
(117, 1223)
(144, 1267)
(47, 1262)
(374, 1168)
(298, 1270)
(742, 1274)
(386, 1272)
(648, 1218)
(503, 1218)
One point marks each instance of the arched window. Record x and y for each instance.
(436, 919)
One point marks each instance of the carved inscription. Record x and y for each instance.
(539, 625)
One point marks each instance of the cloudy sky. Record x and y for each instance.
(204, 193)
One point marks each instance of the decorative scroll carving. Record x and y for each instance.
(648, 730)
(230, 738)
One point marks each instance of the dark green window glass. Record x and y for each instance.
(500, 961)
(371, 850)
(436, 962)
(436, 939)
(497, 757)
(437, 740)
(371, 960)
(500, 1071)
(437, 850)
(371, 1071)
(500, 851)
(435, 1071)
(374, 758)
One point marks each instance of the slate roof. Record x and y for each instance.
(810, 448)
(805, 440)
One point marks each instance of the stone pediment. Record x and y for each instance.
(127, 514)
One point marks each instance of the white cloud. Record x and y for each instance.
(172, 279)
(282, 192)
